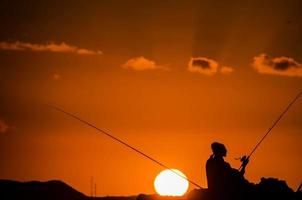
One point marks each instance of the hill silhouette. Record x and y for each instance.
(269, 189)
(49, 190)
(35, 190)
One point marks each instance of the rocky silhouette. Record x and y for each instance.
(268, 189)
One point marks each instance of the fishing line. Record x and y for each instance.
(159, 163)
(273, 125)
(122, 142)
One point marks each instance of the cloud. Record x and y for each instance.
(203, 65)
(207, 66)
(283, 66)
(56, 76)
(48, 47)
(3, 126)
(141, 64)
(226, 70)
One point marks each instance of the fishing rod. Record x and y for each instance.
(123, 143)
(245, 159)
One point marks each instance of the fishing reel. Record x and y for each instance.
(244, 161)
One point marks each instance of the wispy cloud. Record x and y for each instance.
(207, 66)
(3, 126)
(141, 64)
(283, 66)
(226, 70)
(47, 47)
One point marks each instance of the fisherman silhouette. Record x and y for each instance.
(225, 182)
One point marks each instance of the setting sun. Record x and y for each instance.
(168, 183)
(98, 99)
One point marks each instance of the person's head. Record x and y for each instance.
(218, 149)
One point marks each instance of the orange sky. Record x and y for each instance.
(124, 66)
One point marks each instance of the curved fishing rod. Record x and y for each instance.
(122, 142)
(245, 159)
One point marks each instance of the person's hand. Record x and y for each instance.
(245, 160)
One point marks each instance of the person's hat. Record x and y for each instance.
(218, 148)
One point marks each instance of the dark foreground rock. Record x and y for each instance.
(267, 189)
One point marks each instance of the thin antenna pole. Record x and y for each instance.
(123, 143)
(275, 123)
(91, 186)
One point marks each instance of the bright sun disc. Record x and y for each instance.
(168, 183)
